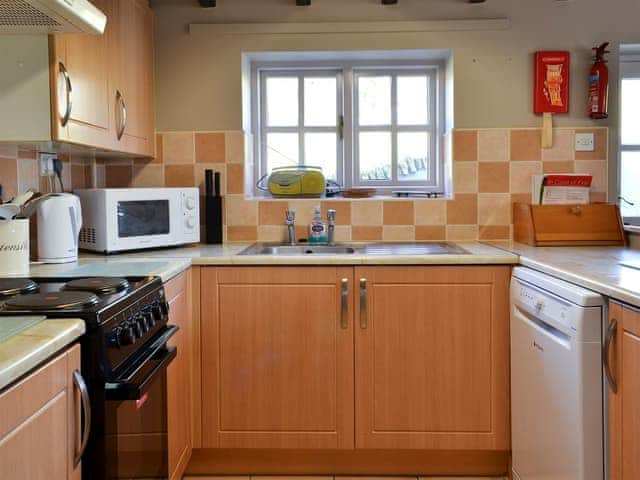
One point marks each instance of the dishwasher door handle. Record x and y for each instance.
(611, 332)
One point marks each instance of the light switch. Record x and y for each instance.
(585, 142)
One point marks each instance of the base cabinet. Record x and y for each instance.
(179, 380)
(432, 358)
(40, 424)
(623, 361)
(386, 358)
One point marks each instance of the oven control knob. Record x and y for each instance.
(190, 203)
(137, 327)
(191, 222)
(147, 320)
(114, 337)
(156, 313)
(164, 306)
(127, 335)
(141, 324)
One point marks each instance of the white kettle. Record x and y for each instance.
(59, 220)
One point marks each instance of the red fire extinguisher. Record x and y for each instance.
(599, 84)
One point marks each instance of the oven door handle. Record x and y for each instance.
(134, 385)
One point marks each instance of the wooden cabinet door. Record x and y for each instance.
(131, 87)
(179, 378)
(39, 423)
(432, 358)
(624, 393)
(277, 348)
(86, 59)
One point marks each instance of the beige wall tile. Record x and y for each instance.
(28, 175)
(366, 234)
(494, 209)
(272, 233)
(597, 168)
(463, 209)
(342, 208)
(199, 172)
(563, 149)
(366, 212)
(430, 212)
(241, 233)
(272, 212)
(234, 147)
(493, 145)
(343, 233)
(493, 177)
(179, 176)
(398, 213)
(598, 197)
(210, 147)
(149, 175)
(177, 147)
(558, 167)
(159, 156)
(601, 145)
(100, 176)
(462, 233)
(27, 153)
(465, 146)
(304, 210)
(79, 176)
(526, 145)
(398, 233)
(520, 175)
(429, 233)
(9, 178)
(465, 177)
(241, 211)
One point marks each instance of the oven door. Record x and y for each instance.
(136, 415)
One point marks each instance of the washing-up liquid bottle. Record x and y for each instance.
(317, 228)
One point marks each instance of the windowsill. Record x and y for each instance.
(635, 229)
(344, 199)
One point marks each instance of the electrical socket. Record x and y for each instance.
(46, 164)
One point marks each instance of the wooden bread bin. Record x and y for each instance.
(567, 225)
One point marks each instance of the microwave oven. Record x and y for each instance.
(119, 219)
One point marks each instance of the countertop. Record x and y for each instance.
(596, 268)
(25, 350)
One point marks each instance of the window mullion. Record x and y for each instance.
(301, 156)
(394, 129)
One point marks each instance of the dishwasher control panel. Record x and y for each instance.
(544, 306)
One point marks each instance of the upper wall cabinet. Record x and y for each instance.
(92, 91)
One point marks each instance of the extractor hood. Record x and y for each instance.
(50, 16)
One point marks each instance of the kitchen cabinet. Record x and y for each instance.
(277, 350)
(40, 425)
(408, 358)
(179, 375)
(622, 363)
(98, 92)
(432, 358)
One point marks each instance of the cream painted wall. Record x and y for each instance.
(198, 83)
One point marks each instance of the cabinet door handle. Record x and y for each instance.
(344, 304)
(363, 303)
(123, 114)
(86, 406)
(64, 118)
(611, 332)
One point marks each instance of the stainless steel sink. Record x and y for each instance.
(426, 248)
(308, 249)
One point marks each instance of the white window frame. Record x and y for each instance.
(347, 106)
(301, 129)
(629, 69)
(394, 128)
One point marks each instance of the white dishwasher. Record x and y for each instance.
(557, 420)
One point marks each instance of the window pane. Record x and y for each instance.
(282, 101)
(413, 100)
(630, 183)
(375, 155)
(413, 156)
(374, 100)
(630, 112)
(282, 150)
(321, 150)
(320, 102)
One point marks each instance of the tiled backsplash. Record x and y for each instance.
(491, 170)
